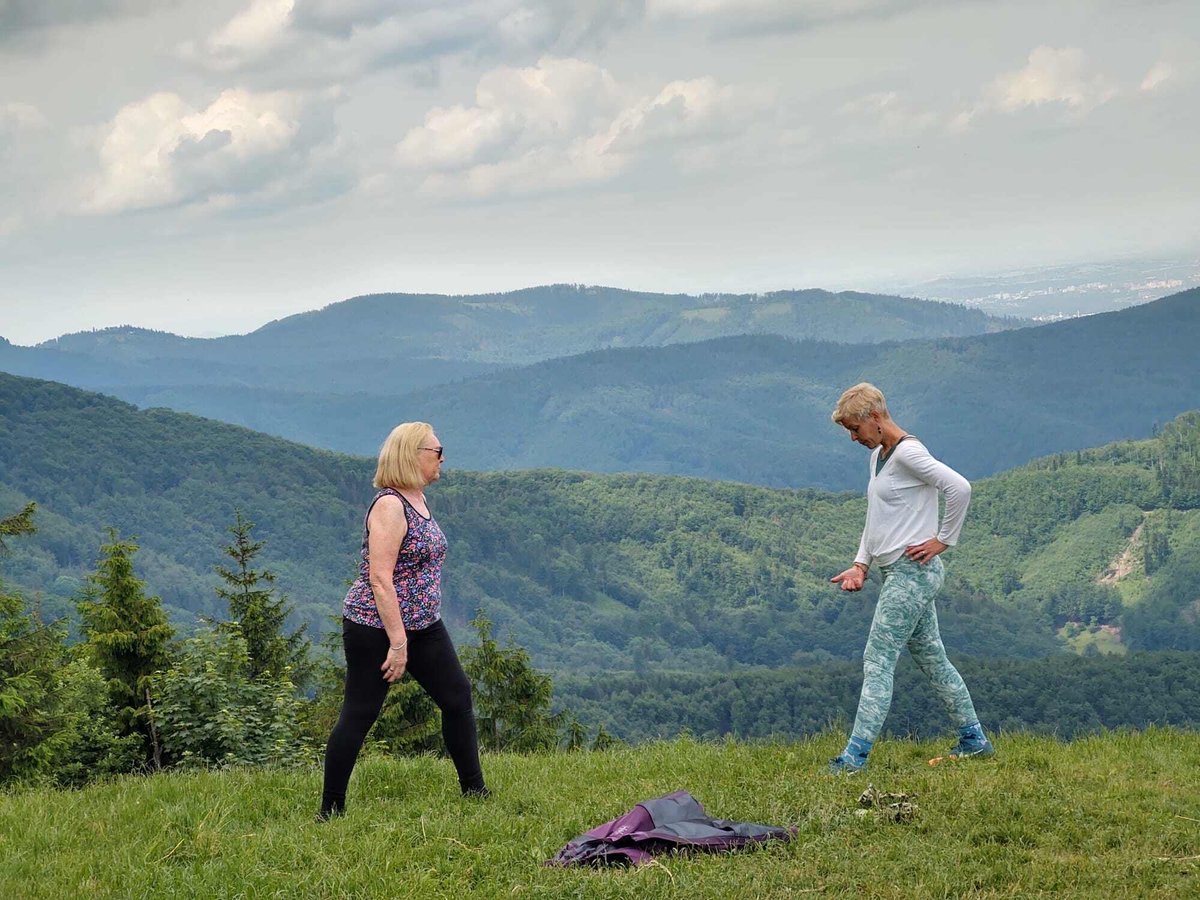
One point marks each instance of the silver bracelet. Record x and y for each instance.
(401, 646)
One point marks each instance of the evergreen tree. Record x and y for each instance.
(53, 725)
(30, 656)
(21, 523)
(603, 739)
(127, 637)
(258, 614)
(512, 698)
(410, 722)
(576, 735)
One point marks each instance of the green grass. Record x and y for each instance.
(1111, 816)
(1080, 639)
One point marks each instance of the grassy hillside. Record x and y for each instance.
(602, 572)
(1110, 816)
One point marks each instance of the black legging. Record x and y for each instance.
(435, 667)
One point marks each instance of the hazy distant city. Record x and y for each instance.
(1064, 292)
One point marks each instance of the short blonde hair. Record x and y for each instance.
(398, 466)
(859, 402)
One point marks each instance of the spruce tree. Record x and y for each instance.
(258, 614)
(21, 523)
(30, 656)
(127, 637)
(603, 740)
(512, 698)
(575, 735)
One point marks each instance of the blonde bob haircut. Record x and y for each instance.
(859, 402)
(398, 466)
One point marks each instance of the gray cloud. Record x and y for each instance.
(298, 42)
(19, 18)
(560, 25)
(755, 18)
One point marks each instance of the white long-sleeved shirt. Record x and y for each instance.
(902, 503)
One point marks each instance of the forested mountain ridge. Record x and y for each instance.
(388, 344)
(524, 326)
(319, 377)
(139, 362)
(606, 571)
(756, 409)
(983, 403)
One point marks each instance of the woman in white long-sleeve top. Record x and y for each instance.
(904, 539)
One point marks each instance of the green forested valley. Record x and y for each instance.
(610, 572)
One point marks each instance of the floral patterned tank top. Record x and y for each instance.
(417, 576)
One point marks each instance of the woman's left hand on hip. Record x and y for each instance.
(926, 551)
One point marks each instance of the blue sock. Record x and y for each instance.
(857, 748)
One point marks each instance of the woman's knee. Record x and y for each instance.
(878, 665)
(929, 655)
(455, 698)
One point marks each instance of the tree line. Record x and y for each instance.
(240, 690)
(1063, 695)
(245, 688)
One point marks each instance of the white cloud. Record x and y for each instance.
(555, 96)
(257, 27)
(161, 151)
(552, 102)
(1051, 76)
(1159, 74)
(257, 33)
(563, 122)
(456, 137)
(684, 111)
(894, 115)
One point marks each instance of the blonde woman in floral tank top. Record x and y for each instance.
(391, 618)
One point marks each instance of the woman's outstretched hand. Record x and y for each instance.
(852, 579)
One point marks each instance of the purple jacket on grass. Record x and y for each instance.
(674, 822)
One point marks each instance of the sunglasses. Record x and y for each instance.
(437, 450)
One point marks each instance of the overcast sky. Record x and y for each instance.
(204, 168)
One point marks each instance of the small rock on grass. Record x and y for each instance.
(889, 807)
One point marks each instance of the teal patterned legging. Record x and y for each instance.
(906, 616)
